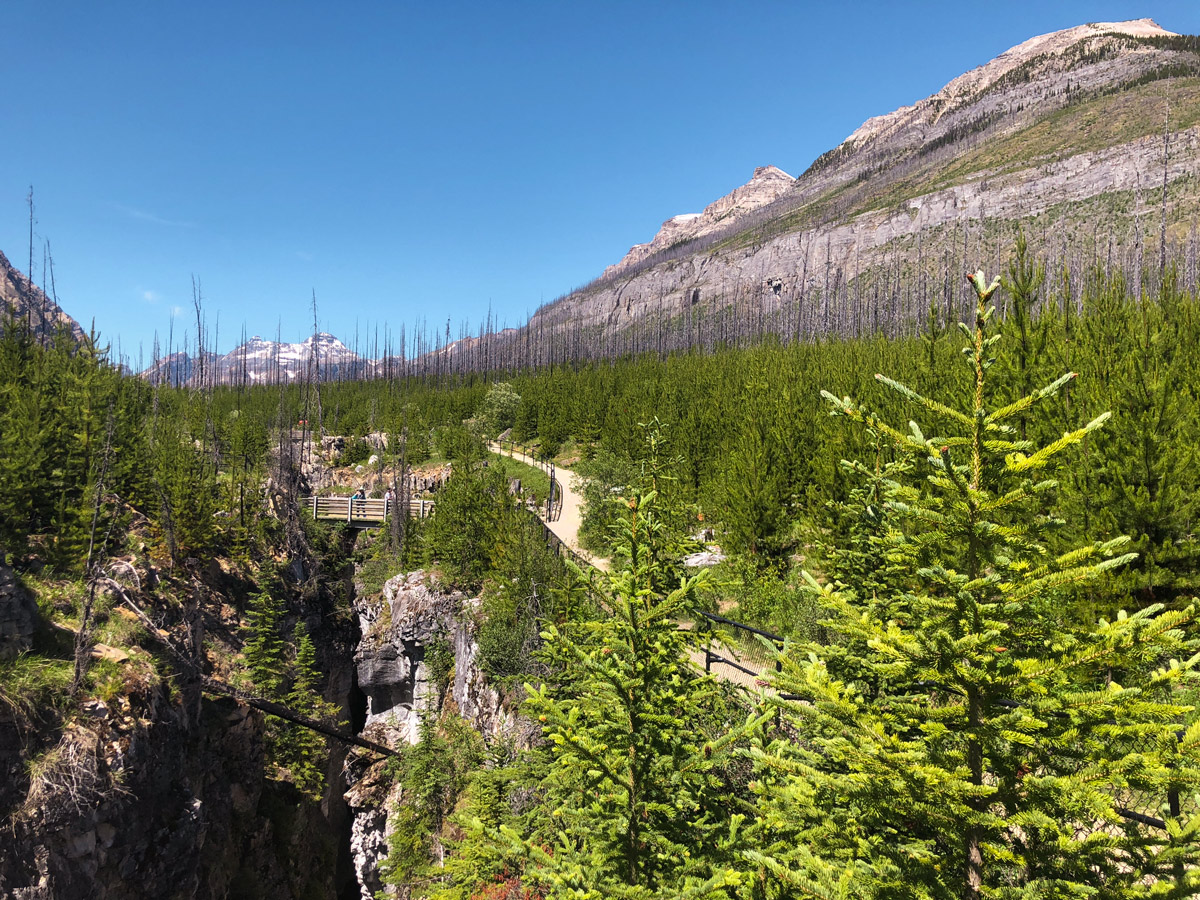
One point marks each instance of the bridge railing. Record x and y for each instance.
(351, 510)
(559, 547)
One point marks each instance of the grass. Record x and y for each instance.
(534, 482)
(374, 571)
(119, 629)
(570, 452)
(32, 684)
(1085, 127)
(58, 600)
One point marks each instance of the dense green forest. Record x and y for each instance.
(944, 527)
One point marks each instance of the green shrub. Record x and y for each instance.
(356, 451)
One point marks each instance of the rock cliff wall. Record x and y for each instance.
(786, 268)
(134, 801)
(143, 787)
(413, 634)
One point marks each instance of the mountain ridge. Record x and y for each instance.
(261, 361)
(765, 185)
(985, 76)
(1065, 129)
(1074, 134)
(25, 300)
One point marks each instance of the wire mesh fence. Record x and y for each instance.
(738, 652)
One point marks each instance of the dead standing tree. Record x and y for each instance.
(94, 566)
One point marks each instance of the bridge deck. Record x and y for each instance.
(361, 512)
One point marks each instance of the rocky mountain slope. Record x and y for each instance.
(1073, 133)
(1088, 137)
(769, 183)
(24, 300)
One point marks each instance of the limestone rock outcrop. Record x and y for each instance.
(28, 303)
(400, 627)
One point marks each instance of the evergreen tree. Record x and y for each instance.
(462, 534)
(186, 486)
(301, 750)
(631, 791)
(755, 489)
(265, 649)
(665, 540)
(1024, 279)
(432, 774)
(1141, 474)
(977, 744)
(487, 863)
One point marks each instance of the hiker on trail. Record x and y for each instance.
(357, 495)
(389, 498)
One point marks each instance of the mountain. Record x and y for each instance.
(769, 183)
(26, 301)
(261, 361)
(1072, 134)
(1088, 138)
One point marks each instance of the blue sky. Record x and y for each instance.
(417, 162)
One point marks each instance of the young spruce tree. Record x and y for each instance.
(962, 739)
(631, 787)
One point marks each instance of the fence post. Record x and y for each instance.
(314, 506)
(1173, 805)
(349, 510)
(778, 669)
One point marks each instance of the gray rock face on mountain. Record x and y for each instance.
(398, 630)
(1053, 126)
(26, 302)
(768, 184)
(775, 271)
(1044, 55)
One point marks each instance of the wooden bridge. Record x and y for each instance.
(364, 513)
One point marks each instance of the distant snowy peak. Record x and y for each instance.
(321, 356)
(324, 337)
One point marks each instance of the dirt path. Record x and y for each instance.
(567, 530)
(571, 518)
